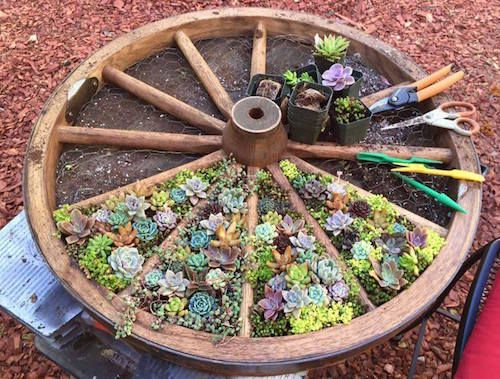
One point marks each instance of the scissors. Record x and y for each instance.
(418, 91)
(459, 122)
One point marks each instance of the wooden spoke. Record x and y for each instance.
(213, 86)
(206, 161)
(140, 139)
(163, 101)
(374, 97)
(259, 50)
(331, 150)
(247, 291)
(318, 231)
(414, 218)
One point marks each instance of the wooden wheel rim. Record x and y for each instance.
(241, 355)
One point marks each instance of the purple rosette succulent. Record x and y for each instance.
(338, 77)
(272, 304)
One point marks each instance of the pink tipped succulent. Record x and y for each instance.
(272, 304)
(418, 237)
(78, 228)
(338, 77)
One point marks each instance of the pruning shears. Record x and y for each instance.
(418, 91)
(455, 173)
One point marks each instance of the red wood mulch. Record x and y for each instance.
(42, 41)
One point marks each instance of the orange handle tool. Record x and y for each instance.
(439, 86)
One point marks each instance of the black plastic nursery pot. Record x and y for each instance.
(353, 89)
(256, 79)
(305, 125)
(324, 64)
(311, 69)
(352, 132)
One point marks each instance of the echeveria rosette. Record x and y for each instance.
(201, 304)
(159, 200)
(118, 218)
(387, 274)
(197, 262)
(338, 77)
(216, 278)
(314, 189)
(391, 245)
(199, 240)
(176, 306)
(298, 275)
(338, 222)
(212, 223)
(147, 229)
(100, 244)
(302, 242)
(290, 227)
(361, 250)
(338, 291)
(173, 284)
(265, 232)
(166, 220)
(327, 271)
(295, 299)
(272, 304)
(335, 187)
(417, 237)
(178, 195)
(126, 262)
(318, 294)
(360, 208)
(277, 282)
(398, 228)
(224, 257)
(152, 278)
(232, 200)
(195, 189)
(102, 215)
(78, 228)
(136, 206)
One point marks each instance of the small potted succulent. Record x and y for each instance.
(344, 80)
(350, 120)
(329, 50)
(308, 111)
(270, 86)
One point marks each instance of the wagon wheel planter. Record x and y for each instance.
(248, 259)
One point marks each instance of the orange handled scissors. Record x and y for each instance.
(460, 122)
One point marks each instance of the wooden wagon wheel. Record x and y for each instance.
(241, 355)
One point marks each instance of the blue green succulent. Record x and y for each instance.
(118, 218)
(151, 279)
(266, 232)
(361, 250)
(199, 240)
(197, 262)
(178, 195)
(201, 304)
(318, 294)
(147, 229)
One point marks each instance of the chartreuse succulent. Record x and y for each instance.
(289, 169)
(272, 218)
(62, 214)
(176, 306)
(298, 275)
(314, 317)
(160, 199)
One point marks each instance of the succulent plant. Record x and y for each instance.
(126, 236)
(78, 228)
(308, 256)
(173, 284)
(380, 218)
(212, 223)
(201, 304)
(360, 208)
(277, 282)
(338, 222)
(338, 291)
(290, 227)
(281, 242)
(197, 262)
(216, 278)
(295, 299)
(335, 187)
(113, 201)
(348, 109)
(266, 205)
(160, 199)
(268, 88)
(327, 271)
(281, 261)
(273, 218)
(195, 189)
(100, 244)
(224, 256)
(166, 220)
(102, 215)
(302, 242)
(338, 77)
(126, 262)
(350, 238)
(178, 195)
(314, 189)
(332, 48)
(272, 304)
(232, 200)
(387, 274)
(292, 78)
(152, 278)
(147, 229)
(265, 232)
(409, 261)
(361, 250)
(337, 202)
(136, 206)
(118, 218)
(391, 245)
(417, 237)
(176, 306)
(226, 237)
(318, 294)
(398, 228)
(298, 274)
(199, 239)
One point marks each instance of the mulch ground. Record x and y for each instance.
(42, 41)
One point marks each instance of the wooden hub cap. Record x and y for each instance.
(255, 135)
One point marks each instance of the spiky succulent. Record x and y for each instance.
(126, 262)
(166, 220)
(176, 306)
(173, 284)
(318, 294)
(232, 200)
(277, 282)
(199, 239)
(327, 271)
(201, 304)
(360, 208)
(314, 189)
(387, 274)
(338, 291)
(302, 242)
(178, 195)
(195, 189)
(281, 261)
(125, 236)
(216, 278)
(290, 227)
(298, 274)
(332, 48)
(338, 77)
(338, 222)
(265, 232)
(391, 245)
(152, 278)
(136, 206)
(272, 304)
(197, 262)
(100, 244)
(78, 228)
(337, 202)
(224, 257)
(417, 237)
(295, 299)
(361, 250)
(212, 223)
(226, 237)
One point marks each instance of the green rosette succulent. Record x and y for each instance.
(176, 307)
(147, 229)
(232, 200)
(409, 262)
(327, 271)
(308, 256)
(265, 232)
(361, 250)
(100, 244)
(216, 278)
(298, 275)
(199, 240)
(159, 199)
(178, 195)
(152, 278)
(272, 218)
(117, 219)
(201, 304)
(126, 262)
(318, 294)
(197, 262)
(387, 274)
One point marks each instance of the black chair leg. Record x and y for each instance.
(416, 350)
